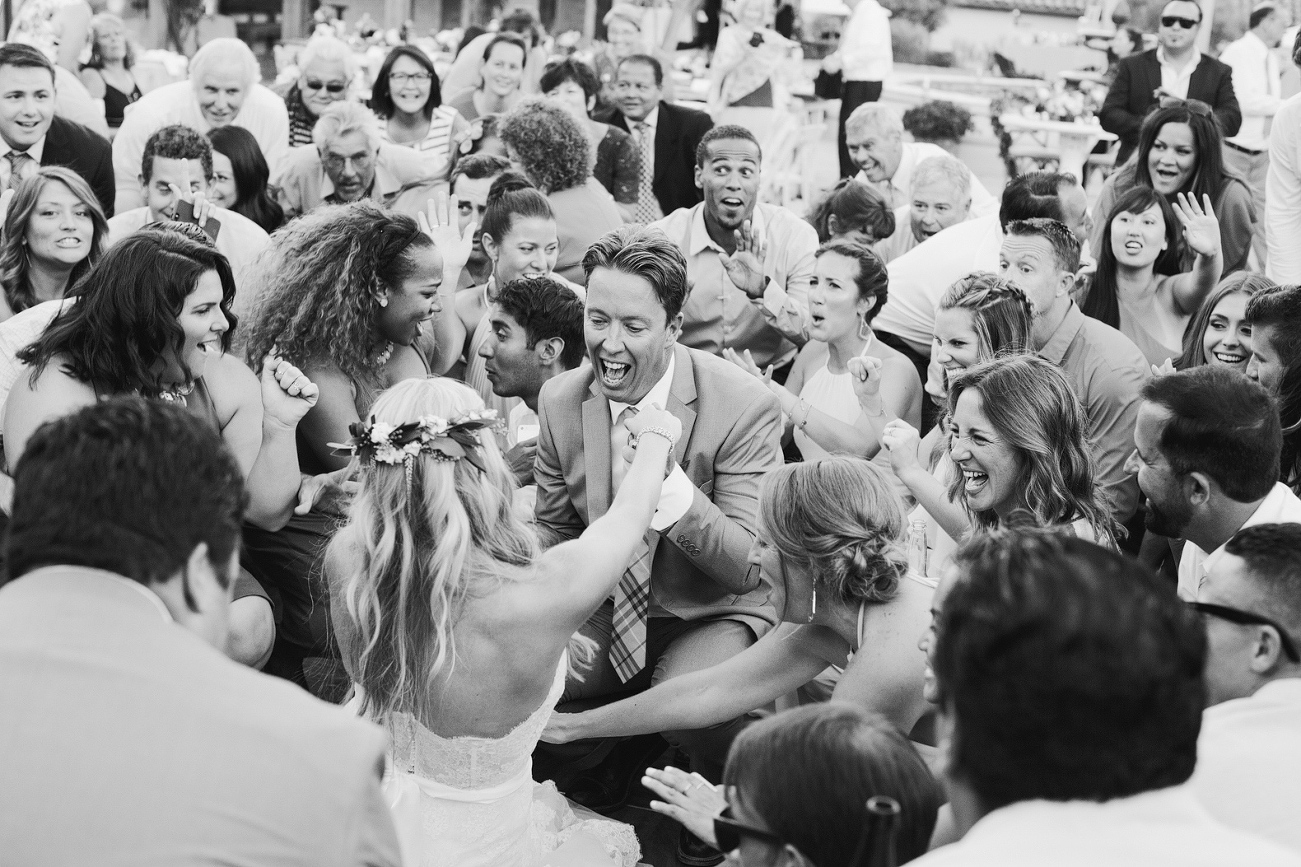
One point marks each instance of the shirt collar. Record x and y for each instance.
(700, 240)
(659, 393)
(1272, 508)
(384, 183)
(1192, 63)
(154, 599)
(653, 118)
(36, 151)
(907, 162)
(1055, 349)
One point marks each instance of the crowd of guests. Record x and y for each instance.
(397, 481)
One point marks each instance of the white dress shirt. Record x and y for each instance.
(920, 277)
(1280, 506)
(1283, 195)
(1175, 79)
(677, 492)
(1257, 85)
(1165, 828)
(866, 53)
(898, 190)
(1249, 762)
(263, 114)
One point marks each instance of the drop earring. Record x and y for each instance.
(383, 300)
(813, 610)
(864, 330)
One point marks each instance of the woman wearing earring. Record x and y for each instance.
(818, 399)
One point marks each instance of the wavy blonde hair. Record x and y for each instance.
(408, 558)
(840, 518)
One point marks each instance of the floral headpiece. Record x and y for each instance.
(440, 438)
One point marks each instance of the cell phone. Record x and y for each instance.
(185, 214)
(756, 40)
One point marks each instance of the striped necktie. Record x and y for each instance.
(632, 595)
(19, 162)
(647, 210)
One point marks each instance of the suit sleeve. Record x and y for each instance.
(1116, 116)
(101, 180)
(1226, 105)
(557, 519)
(719, 528)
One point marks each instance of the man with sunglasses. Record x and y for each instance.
(1207, 445)
(1175, 69)
(326, 66)
(1249, 752)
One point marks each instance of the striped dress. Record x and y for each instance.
(446, 131)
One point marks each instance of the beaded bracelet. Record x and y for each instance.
(659, 431)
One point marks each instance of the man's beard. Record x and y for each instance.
(1164, 522)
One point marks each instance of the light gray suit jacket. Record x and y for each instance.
(126, 740)
(731, 437)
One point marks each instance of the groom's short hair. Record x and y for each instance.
(647, 253)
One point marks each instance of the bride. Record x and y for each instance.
(454, 628)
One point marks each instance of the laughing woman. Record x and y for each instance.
(1220, 333)
(407, 97)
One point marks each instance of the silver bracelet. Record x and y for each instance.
(668, 435)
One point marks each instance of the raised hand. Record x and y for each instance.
(745, 361)
(745, 266)
(688, 798)
(440, 222)
(203, 209)
(901, 442)
(287, 393)
(655, 416)
(865, 374)
(1201, 228)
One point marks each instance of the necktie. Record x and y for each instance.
(647, 210)
(632, 596)
(19, 161)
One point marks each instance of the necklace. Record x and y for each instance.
(178, 393)
(385, 354)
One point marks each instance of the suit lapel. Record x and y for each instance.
(1199, 85)
(596, 452)
(666, 133)
(682, 397)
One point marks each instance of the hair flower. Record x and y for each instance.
(448, 440)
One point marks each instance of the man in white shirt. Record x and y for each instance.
(1249, 753)
(874, 137)
(1069, 688)
(750, 264)
(1283, 189)
(177, 166)
(1257, 83)
(1207, 444)
(940, 198)
(865, 60)
(222, 90)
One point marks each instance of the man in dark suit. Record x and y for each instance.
(30, 134)
(1174, 70)
(668, 174)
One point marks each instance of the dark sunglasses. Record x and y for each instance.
(1246, 618)
(1178, 21)
(882, 812)
(1194, 106)
(331, 87)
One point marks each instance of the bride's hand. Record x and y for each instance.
(688, 798)
(655, 416)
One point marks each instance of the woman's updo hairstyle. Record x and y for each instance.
(512, 196)
(853, 204)
(840, 518)
(872, 277)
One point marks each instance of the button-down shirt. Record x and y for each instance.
(263, 114)
(1283, 195)
(718, 314)
(405, 180)
(1257, 85)
(866, 52)
(1163, 828)
(898, 190)
(677, 492)
(1107, 372)
(36, 152)
(1280, 506)
(1249, 762)
(1174, 79)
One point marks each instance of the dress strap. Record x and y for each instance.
(862, 610)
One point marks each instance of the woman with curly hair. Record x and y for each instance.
(344, 293)
(548, 145)
(1018, 442)
(153, 318)
(852, 211)
(832, 533)
(819, 401)
(54, 232)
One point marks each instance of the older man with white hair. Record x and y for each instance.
(351, 162)
(326, 67)
(941, 197)
(222, 90)
(874, 136)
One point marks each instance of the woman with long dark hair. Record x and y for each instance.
(852, 211)
(239, 177)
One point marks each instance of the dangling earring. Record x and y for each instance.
(864, 330)
(814, 609)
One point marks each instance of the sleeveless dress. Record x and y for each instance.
(832, 393)
(472, 802)
(1131, 325)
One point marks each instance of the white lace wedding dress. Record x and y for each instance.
(472, 802)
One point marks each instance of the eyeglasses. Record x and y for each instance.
(1178, 21)
(1194, 106)
(329, 87)
(1246, 618)
(402, 78)
(335, 162)
(882, 813)
(728, 832)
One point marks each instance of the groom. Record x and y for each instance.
(691, 602)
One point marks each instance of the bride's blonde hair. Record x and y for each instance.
(410, 555)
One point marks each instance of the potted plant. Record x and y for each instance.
(938, 122)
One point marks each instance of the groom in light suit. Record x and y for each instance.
(125, 736)
(689, 601)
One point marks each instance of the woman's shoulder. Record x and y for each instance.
(231, 384)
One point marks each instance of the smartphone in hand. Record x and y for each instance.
(185, 214)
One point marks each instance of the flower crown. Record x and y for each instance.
(440, 438)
